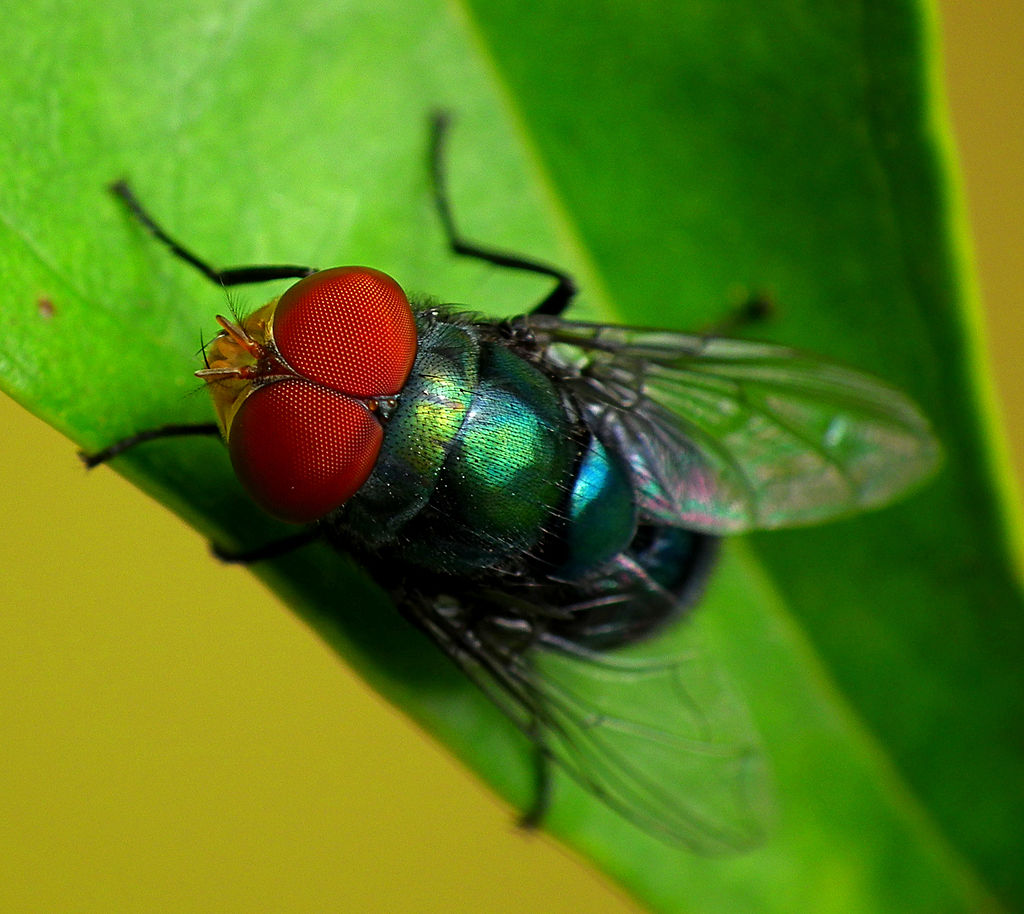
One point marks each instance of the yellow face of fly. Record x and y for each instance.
(239, 356)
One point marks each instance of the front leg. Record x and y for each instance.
(197, 429)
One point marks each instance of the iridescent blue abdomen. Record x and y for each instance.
(488, 470)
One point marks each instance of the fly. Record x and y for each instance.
(541, 495)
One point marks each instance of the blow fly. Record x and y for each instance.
(539, 494)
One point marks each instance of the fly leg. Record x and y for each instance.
(534, 814)
(228, 277)
(197, 429)
(272, 550)
(232, 276)
(755, 310)
(558, 299)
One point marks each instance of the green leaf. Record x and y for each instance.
(675, 157)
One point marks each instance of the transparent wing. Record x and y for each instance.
(727, 435)
(660, 739)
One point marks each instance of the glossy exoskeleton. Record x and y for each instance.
(537, 493)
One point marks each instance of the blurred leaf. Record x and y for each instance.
(676, 157)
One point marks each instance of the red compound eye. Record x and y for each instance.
(350, 328)
(302, 450)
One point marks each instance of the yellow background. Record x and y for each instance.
(173, 739)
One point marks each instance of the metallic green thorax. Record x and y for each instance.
(484, 463)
